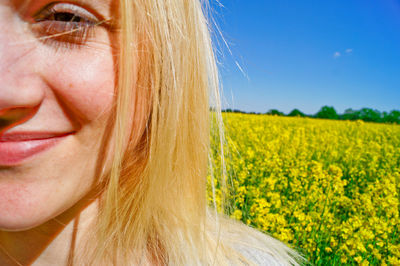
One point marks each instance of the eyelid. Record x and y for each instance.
(52, 8)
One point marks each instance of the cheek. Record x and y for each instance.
(84, 82)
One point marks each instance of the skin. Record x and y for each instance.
(48, 201)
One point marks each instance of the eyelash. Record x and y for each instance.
(65, 24)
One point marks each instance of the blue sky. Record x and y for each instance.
(306, 54)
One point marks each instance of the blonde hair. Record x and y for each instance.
(154, 205)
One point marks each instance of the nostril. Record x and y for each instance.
(15, 116)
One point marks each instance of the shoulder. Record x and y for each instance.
(258, 256)
(261, 249)
(244, 245)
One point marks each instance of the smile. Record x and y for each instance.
(15, 148)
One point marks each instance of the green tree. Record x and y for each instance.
(275, 112)
(327, 112)
(392, 117)
(296, 112)
(350, 114)
(370, 115)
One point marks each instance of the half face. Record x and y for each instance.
(57, 81)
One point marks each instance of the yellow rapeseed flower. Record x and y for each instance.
(313, 182)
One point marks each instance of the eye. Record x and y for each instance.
(67, 13)
(65, 17)
(65, 23)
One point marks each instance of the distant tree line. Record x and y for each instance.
(329, 112)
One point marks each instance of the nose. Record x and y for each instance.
(21, 86)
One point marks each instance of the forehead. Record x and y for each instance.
(107, 8)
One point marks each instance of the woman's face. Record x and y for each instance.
(57, 80)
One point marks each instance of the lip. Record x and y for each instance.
(17, 147)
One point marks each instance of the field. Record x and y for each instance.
(330, 189)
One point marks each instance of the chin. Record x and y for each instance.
(17, 225)
(25, 218)
(20, 218)
(25, 206)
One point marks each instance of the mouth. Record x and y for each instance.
(18, 147)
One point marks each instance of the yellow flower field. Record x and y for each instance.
(329, 189)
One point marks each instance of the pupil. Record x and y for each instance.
(63, 16)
